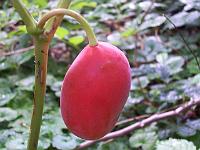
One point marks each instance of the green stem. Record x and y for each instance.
(30, 22)
(41, 59)
(90, 34)
(42, 42)
(53, 23)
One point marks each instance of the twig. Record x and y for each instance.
(16, 51)
(185, 42)
(143, 123)
(137, 118)
(146, 12)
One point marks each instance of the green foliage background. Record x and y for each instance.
(164, 73)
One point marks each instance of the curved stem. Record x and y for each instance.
(90, 34)
(53, 23)
(30, 22)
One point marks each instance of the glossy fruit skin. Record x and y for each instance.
(95, 90)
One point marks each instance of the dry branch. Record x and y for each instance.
(143, 123)
(16, 51)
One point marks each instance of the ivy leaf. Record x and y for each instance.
(42, 3)
(76, 40)
(61, 32)
(6, 64)
(175, 64)
(142, 138)
(113, 146)
(6, 96)
(194, 124)
(7, 114)
(79, 4)
(175, 144)
(26, 83)
(162, 58)
(140, 82)
(186, 131)
(64, 142)
(16, 144)
(155, 21)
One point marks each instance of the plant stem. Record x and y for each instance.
(90, 34)
(41, 41)
(41, 59)
(53, 23)
(30, 22)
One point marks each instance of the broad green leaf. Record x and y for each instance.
(162, 58)
(6, 96)
(79, 4)
(175, 64)
(26, 83)
(7, 114)
(139, 82)
(7, 64)
(155, 21)
(186, 131)
(24, 57)
(115, 38)
(64, 142)
(76, 40)
(116, 145)
(175, 144)
(145, 138)
(16, 144)
(129, 32)
(61, 32)
(42, 3)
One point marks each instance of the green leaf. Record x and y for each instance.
(186, 131)
(162, 58)
(175, 64)
(56, 87)
(6, 64)
(6, 96)
(129, 32)
(116, 145)
(175, 144)
(24, 57)
(16, 143)
(154, 21)
(42, 3)
(139, 82)
(61, 32)
(76, 40)
(195, 80)
(79, 4)
(26, 83)
(7, 114)
(145, 138)
(64, 142)
(115, 38)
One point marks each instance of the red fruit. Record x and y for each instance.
(94, 90)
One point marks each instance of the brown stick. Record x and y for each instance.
(16, 51)
(143, 123)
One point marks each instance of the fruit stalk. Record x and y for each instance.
(90, 34)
